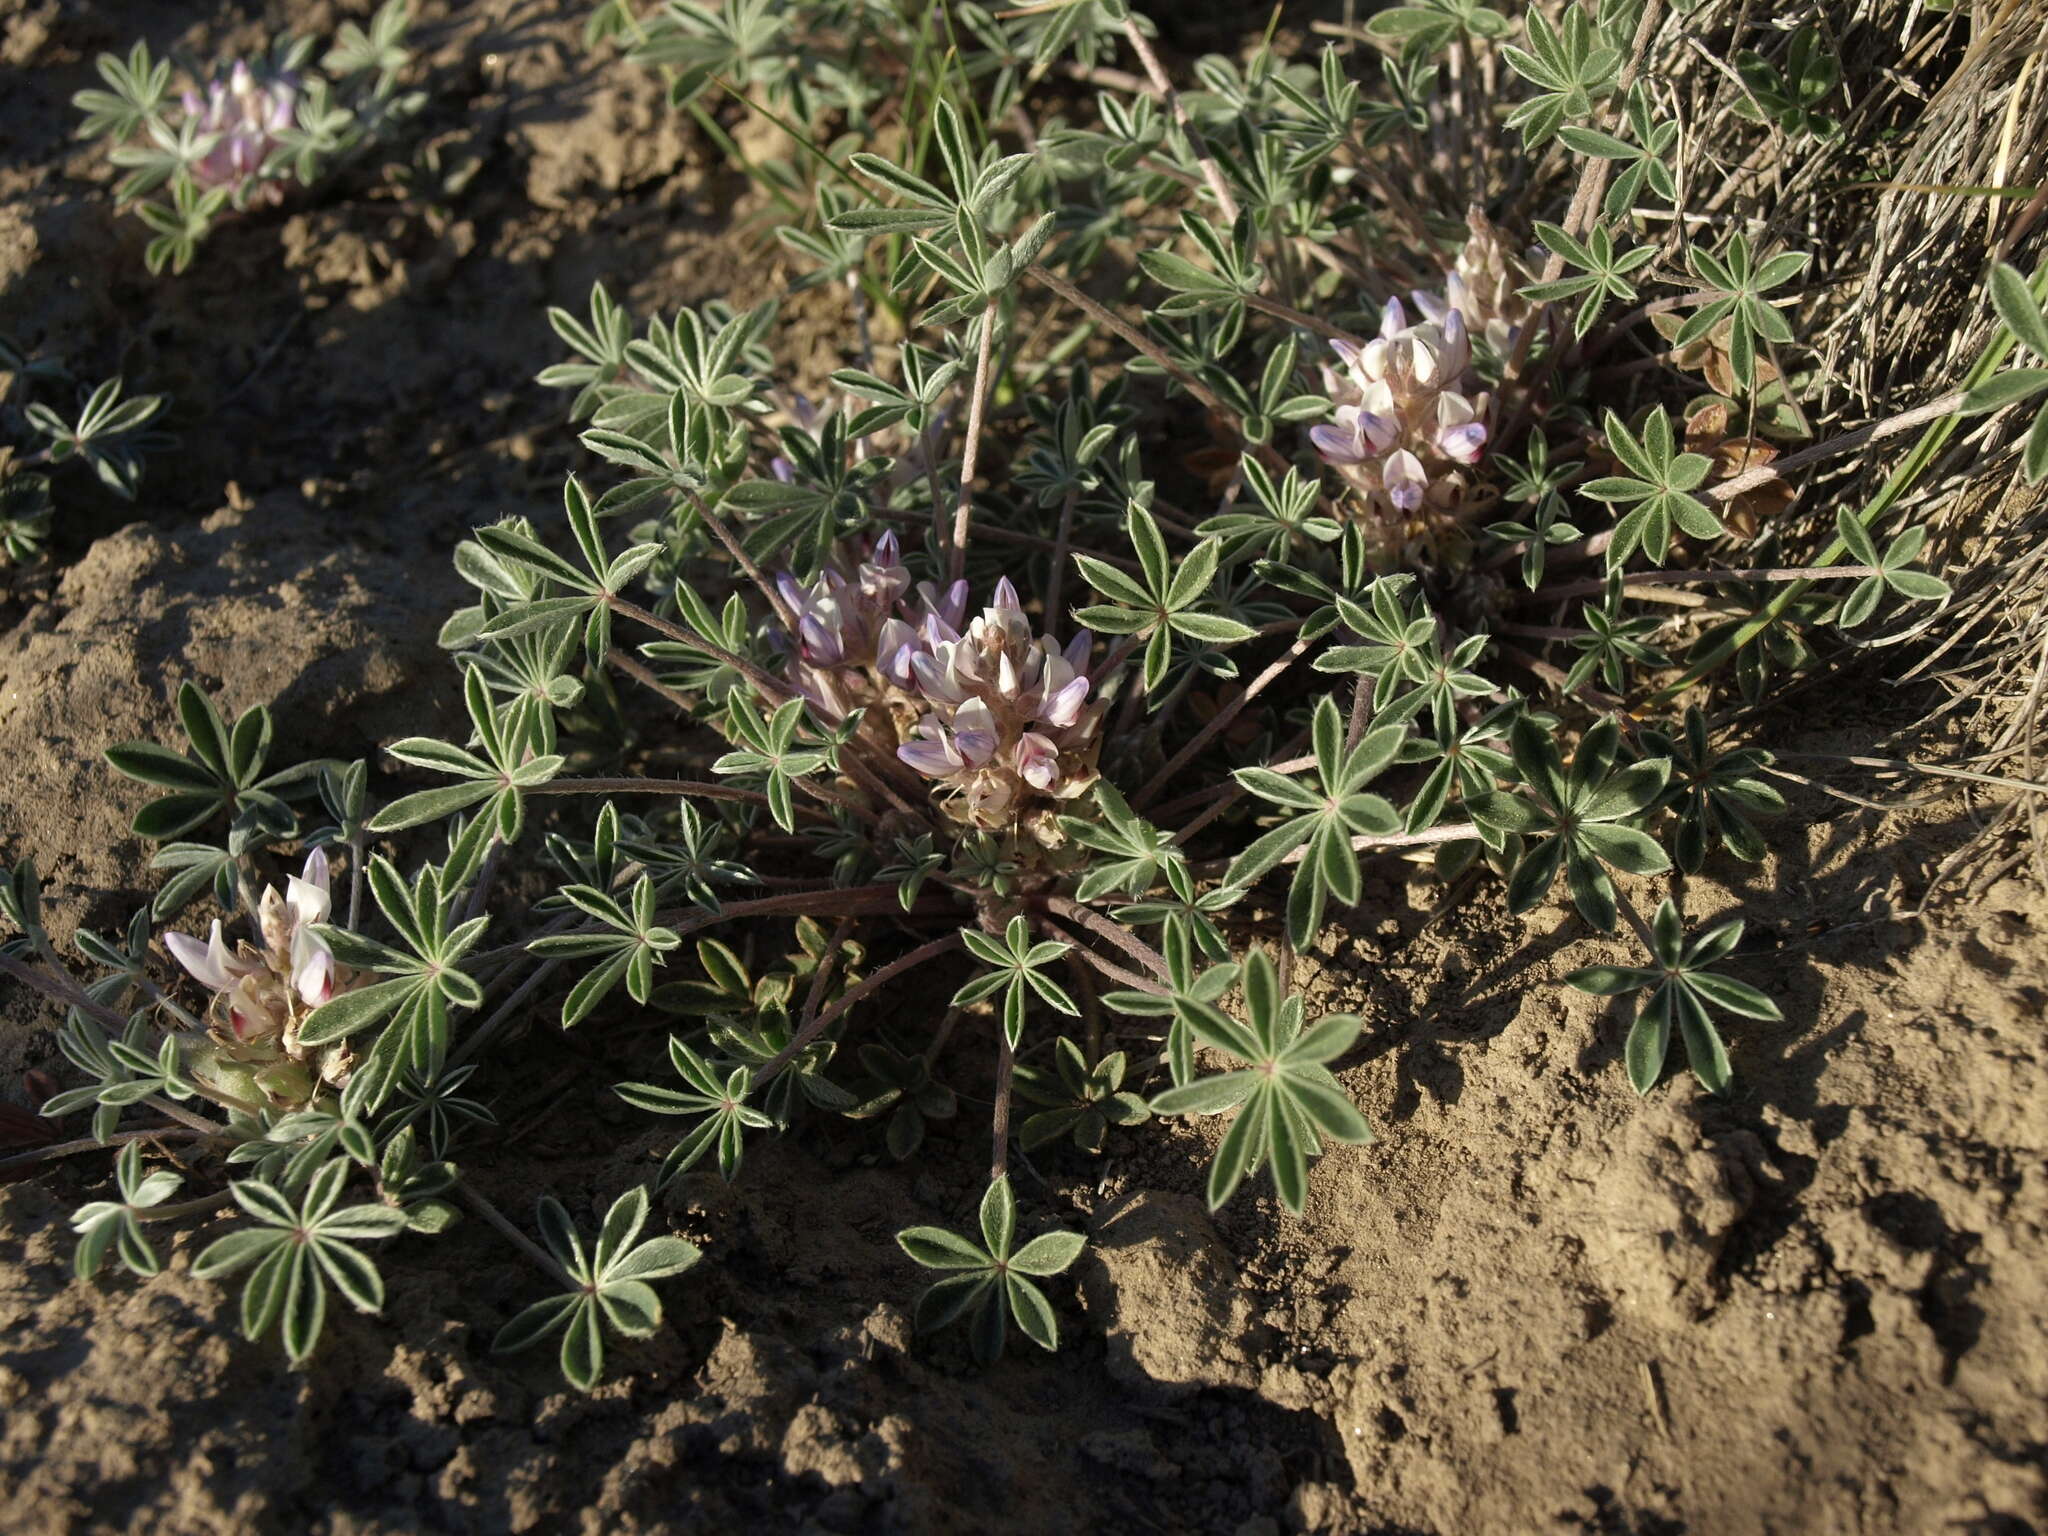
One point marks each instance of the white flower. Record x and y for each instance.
(261, 995)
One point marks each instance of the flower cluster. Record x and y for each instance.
(1404, 430)
(245, 115)
(262, 995)
(1001, 720)
(1408, 421)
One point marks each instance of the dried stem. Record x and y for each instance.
(1218, 189)
(1592, 586)
(1220, 721)
(847, 999)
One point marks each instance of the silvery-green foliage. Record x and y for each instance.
(608, 1285)
(992, 1283)
(45, 424)
(1189, 532)
(298, 1251)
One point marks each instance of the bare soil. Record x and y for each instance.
(1536, 1304)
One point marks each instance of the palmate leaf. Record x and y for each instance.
(426, 981)
(630, 951)
(1322, 812)
(609, 1286)
(104, 1225)
(1162, 601)
(992, 1282)
(298, 1252)
(1017, 974)
(220, 773)
(722, 1102)
(1285, 1096)
(1682, 990)
(1657, 490)
(1577, 821)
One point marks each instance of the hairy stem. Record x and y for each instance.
(963, 509)
(1218, 722)
(58, 1149)
(770, 688)
(544, 1260)
(722, 531)
(1076, 912)
(999, 1153)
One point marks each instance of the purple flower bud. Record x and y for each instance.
(822, 647)
(1462, 443)
(1338, 444)
(1064, 707)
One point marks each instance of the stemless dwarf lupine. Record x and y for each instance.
(244, 131)
(933, 796)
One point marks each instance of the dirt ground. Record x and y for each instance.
(1535, 1304)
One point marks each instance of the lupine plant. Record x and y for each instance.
(241, 134)
(1015, 682)
(98, 429)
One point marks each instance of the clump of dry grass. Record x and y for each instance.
(1941, 168)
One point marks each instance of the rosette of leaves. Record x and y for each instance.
(1285, 1095)
(298, 1251)
(1081, 1101)
(608, 1285)
(1576, 819)
(991, 1282)
(1682, 989)
(25, 511)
